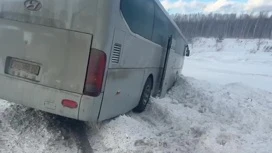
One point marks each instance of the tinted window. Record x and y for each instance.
(161, 31)
(139, 15)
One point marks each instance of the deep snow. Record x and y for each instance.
(196, 117)
(222, 105)
(236, 61)
(24, 130)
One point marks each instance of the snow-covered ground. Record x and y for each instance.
(222, 104)
(232, 61)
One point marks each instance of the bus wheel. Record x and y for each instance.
(145, 97)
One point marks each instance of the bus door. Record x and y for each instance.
(166, 81)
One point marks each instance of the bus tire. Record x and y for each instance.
(145, 97)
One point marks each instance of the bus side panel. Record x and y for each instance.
(129, 66)
(179, 52)
(175, 62)
(170, 75)
(132, 59)
(125, 80)
(90, 108)
(122, 92)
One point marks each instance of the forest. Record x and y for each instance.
(247, 26)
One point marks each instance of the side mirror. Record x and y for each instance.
(187, 51)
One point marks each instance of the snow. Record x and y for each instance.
(195, 117)
(222, 104)
(238, 61)
(25, 130)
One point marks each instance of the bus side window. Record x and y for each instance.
(161, 28)
(139, 15)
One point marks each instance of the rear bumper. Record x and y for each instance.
(48, 99)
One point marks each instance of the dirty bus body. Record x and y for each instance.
(85, 59)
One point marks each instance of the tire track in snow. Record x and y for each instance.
(80, 133)
(37, 131)
(77, 129)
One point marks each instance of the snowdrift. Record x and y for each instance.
(196, 117)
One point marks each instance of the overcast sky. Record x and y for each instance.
(222, 6)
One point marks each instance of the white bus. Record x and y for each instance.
(88, 60)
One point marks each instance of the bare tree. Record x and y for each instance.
(227, 25)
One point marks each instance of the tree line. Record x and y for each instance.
(225, 25)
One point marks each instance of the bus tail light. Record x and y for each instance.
(69, 103)
(95, 73)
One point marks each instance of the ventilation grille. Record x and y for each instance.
(116, 53)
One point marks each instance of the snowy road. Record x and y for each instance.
(222, 105)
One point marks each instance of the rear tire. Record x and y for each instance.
(145, 97)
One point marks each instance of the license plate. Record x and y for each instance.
(17, 65)
(26, 67)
